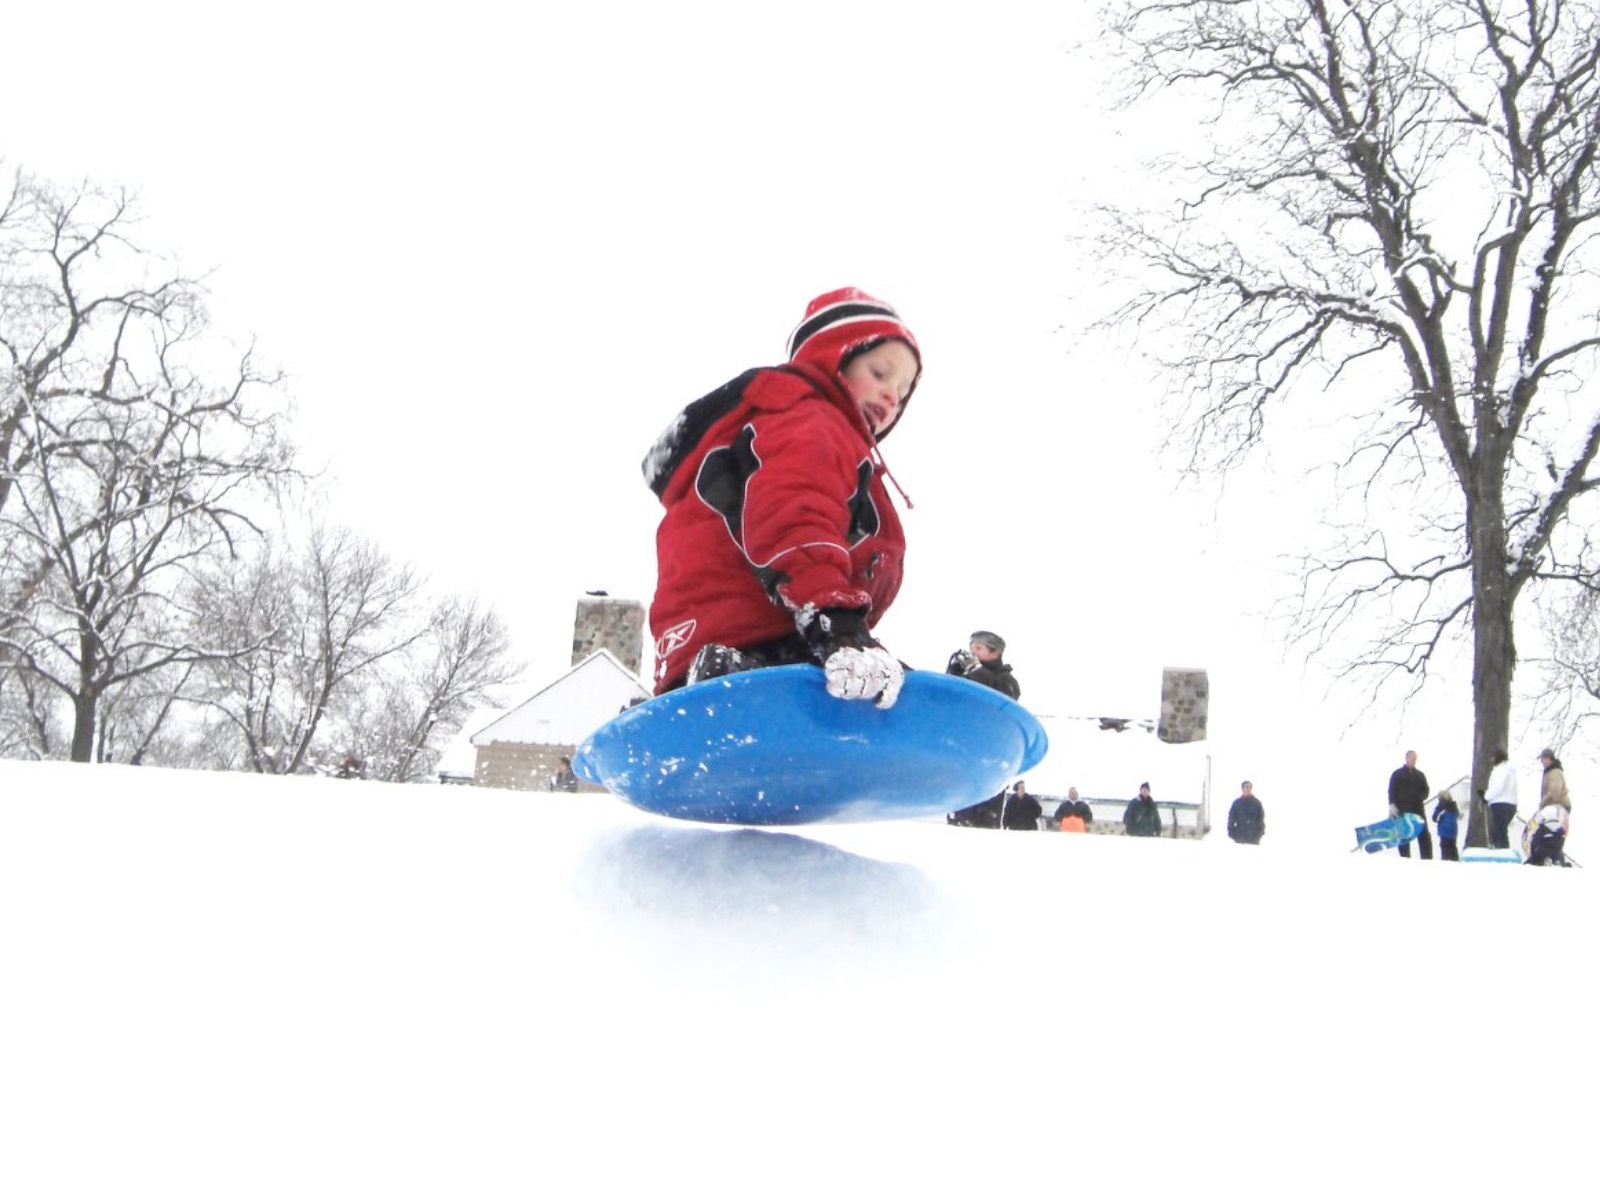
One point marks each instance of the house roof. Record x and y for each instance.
(565, 712)
(1089, 753)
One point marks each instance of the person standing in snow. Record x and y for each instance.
(1021, 810)
(1408, 793)
(983, 661)
(1247, 819)
(1553, 789)
(779, 543)
(564, 780)
(1142, 818)
(1447, 816)
(984, 815)
(1073, 815)
(1547, 832)
(1501, 797)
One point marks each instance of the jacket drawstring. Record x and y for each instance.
(877, 458)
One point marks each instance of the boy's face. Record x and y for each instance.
(879, 382)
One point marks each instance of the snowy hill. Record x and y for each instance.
(227, 986)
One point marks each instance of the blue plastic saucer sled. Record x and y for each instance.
(1392, 831)
(771, 747)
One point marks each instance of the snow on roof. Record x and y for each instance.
(1089, 753)
(565, 712)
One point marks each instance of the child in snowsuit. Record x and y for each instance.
(1447, 816)
(1547, 832)
(1548, 837)
(780, 543)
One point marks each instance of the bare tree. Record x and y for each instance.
(1569, 700)
(129, 451)
(332, 657)
(299, 635)
(463, 658)
(1394, 210)
(29, 727)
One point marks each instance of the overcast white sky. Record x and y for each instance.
(497, 250)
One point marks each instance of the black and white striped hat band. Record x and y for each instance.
(839, 314)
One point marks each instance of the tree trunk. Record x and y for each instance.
(84, 707)
(1494, 652)
(86, 700)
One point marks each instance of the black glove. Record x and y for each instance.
(830, 629)
(962, 662)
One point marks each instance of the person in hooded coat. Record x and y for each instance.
(780, 542)
(1447, 816)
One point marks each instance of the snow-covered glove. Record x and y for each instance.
(962, 662)
(855, 663)
(864, 674)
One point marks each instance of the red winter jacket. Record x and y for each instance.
(775, 499)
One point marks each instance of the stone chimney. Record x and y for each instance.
(605, 623)
(1185, 701)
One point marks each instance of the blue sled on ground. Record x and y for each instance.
(771, 747)
(1487, 854)
(1391, 831)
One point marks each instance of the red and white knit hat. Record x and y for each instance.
(840, 323)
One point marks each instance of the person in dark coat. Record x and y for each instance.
(1142, 818)
(985, 815)
(1408, 793)
(1021, 810)
(1548, 837)
(1247, 820)
(983, 661)
(564, 780)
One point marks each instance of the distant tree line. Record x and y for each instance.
(157, 604)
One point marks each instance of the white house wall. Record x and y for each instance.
(571, 708)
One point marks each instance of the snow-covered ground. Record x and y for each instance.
(229, 986)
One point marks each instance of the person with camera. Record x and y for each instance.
(983, 661)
